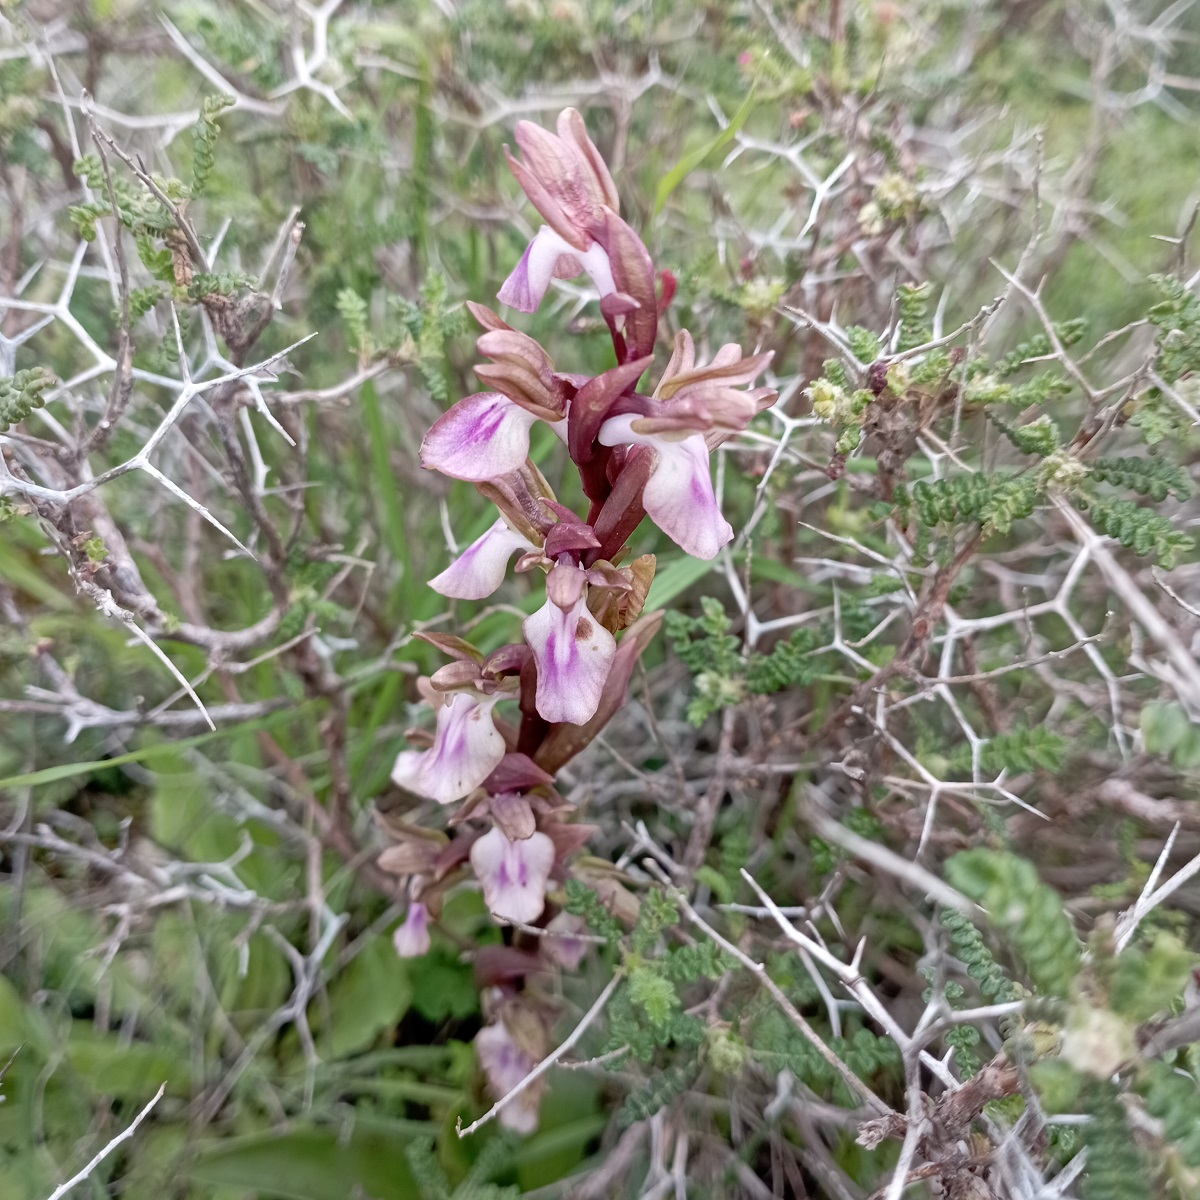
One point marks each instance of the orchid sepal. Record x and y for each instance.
(411, 939)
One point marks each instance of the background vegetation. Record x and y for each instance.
(938, 700)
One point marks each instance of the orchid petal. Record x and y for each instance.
(727, 369)
(481, 437)
(678, 496)
(526, 286)
(564, 742)
(412, 938)
(513, 874)
(467, 748)
(680, 500)
(479, 569)
(407, 768)
(551, 256)
(573, 653)
(683, 356)
(542, 197)
(599, 268)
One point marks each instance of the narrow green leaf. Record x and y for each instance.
(310, 1164)
(157, 750)
(387, 494)
(674, 578)
(689, 162)
(15, 570)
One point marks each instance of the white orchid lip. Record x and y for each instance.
(573, 652)
(479, 570)
(513, 874)
(679, 496)
(467, 748)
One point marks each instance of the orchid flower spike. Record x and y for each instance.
(467, 748)
(567, 182)
(571, 649)
(696, 409)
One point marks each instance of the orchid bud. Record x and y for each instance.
(568, 182)
(513, 815)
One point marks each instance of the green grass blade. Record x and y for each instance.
(689, 162)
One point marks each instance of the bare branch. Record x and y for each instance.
(123, 1136)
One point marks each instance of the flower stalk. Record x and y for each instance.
(507, 722)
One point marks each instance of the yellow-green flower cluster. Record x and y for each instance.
(841, 409)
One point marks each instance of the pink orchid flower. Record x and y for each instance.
(513, 874)
(505, 1064)
(679, 496)
(631, 455)
(697, 408)
(486, 435)
(467, 748)
(571, 649)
